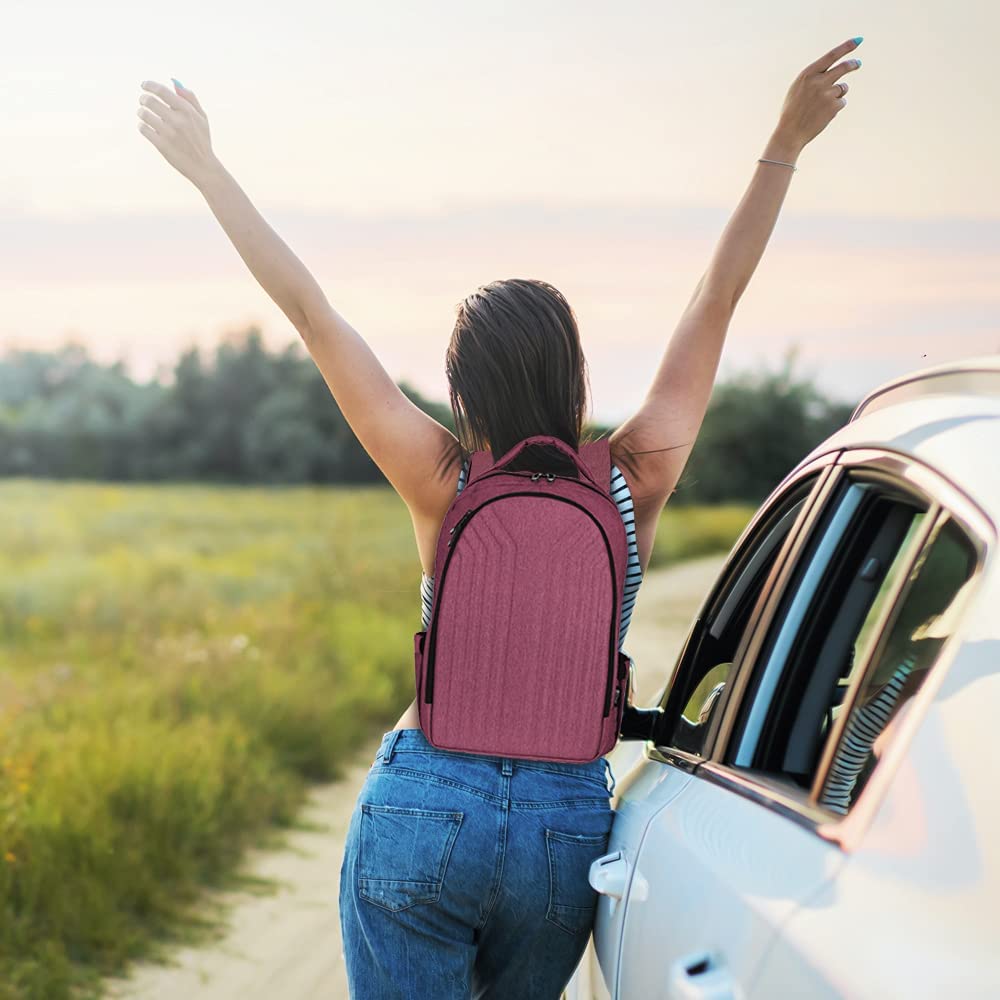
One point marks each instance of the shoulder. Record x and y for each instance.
(647, 497)
(441, 482)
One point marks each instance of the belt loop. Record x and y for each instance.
(508, 766)
(390, 745)
(607, 764)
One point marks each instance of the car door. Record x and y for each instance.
(913, 911)
(713, 644)
(747, 841)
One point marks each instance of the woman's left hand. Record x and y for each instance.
(178, 127)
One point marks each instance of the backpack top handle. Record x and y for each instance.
(593, 458)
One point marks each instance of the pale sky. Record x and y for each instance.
(410, 152)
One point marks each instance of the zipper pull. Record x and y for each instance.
(458, 524)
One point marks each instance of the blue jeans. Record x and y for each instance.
(465, 875)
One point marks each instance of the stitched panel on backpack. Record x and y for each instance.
(521, 658)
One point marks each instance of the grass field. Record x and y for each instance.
(176, 664)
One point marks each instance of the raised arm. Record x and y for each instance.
(655, 443)
(403, 441)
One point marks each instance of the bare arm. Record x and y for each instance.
(655, 443)
(402, 440)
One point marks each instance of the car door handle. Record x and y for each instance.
(609, 874)
(701, 976)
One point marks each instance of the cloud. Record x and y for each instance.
(174, 246)
(865, 299)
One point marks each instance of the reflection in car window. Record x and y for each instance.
(897, 566)
(926, 617)
(702, 675)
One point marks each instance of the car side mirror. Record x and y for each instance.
(638, 723)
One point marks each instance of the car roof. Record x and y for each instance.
(977, 376)
(947, 416)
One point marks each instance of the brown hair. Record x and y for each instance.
(516, 368)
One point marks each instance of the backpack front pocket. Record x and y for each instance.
(403, 854)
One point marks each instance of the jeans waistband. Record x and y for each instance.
(404, 740)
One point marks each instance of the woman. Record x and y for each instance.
(464, 874)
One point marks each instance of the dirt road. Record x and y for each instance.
(287, 944)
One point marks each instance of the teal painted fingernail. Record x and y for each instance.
(858, 61)
(178, 82)
(858, 40)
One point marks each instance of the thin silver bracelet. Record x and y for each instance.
(782, 162)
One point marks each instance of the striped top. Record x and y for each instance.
(633, 573)
(863, 728)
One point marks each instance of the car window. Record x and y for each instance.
(862, 544)
(694, 697)
(926, 616)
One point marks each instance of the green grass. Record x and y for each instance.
(176, 664)
(694, 531)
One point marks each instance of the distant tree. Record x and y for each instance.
(757, 427)
(68, 416)
(250, 415)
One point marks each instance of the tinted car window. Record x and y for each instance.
(706, 664)
(926, 616)
(862, 544)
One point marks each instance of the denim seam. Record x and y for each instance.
(385, 807)
(553, 885)
(576, 803)
(454, 754)
(559, 804)
(463, 755)
(561, 773)
(405, 772)
(591, 839)
(494, 895)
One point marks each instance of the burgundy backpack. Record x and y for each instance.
(520, 657)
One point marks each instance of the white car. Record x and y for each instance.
(817, 810)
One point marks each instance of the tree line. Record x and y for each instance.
(248, 415)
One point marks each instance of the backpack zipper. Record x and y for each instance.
(582, 480)
(456, 530)
(535, 476)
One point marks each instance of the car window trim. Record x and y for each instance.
(791, 624)
(721, 618)
(822, 466)
(946, 501)
(681, 759)
(766, 793)
(932, 485)
(767, 605)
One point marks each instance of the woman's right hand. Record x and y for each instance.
(815, 97)
(176, 124)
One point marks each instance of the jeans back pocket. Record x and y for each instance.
(403, 854)
(572, 899)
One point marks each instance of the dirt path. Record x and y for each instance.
(287, 944)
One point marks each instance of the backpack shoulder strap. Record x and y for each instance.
(481, 461)
(597, 456)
